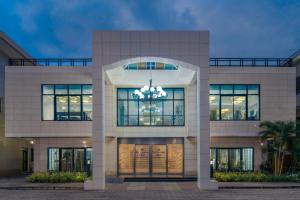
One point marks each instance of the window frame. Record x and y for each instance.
(228, 158)
(68, 94)
(234, 95)
(60, 157)
(127, 100)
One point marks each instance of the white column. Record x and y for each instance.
(98, 139)
(203, 132)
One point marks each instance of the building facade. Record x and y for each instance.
(15, 153)
(100, 118)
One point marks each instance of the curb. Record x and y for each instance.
(259, 187)
(41, 188)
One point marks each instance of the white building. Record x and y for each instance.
(88, 116)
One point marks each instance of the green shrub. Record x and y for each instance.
(56, 177)
(253, 177)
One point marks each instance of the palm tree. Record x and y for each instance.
(278, 134)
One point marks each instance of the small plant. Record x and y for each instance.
(56, 177)
(253, 177)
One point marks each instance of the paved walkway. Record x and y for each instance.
(21, 184)
(255, 194)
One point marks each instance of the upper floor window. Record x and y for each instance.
(150, 66)
(234, 102)
(67, 102)
(165, 111)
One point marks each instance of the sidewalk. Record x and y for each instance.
(20, 183)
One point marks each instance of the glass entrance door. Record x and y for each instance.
(150, 159)
(142, 159)
(159, 159)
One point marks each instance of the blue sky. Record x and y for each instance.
(238, 28)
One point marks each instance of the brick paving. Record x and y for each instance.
(243, 194)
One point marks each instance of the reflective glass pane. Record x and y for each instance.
(168, 107)
(144, 108)
(156, 108)
(144, 121)
(156, 120)
(53, 159)
(67, 160)
(240, 108)
(78, 160)
(226, 89)
(168, 120)
(89, 161)
(178, 107)
(74, 89)
(87, 89)
(213, 157)
(48, 107)
(169, 93)
(61, 89)
(122, 113)
(214, 89)
(178, 93)
(122, 93)
(87, 107)
(240, 89)
(62, 108)
(133, 113)
(234, 159)
(178, 120)
(253, 89)
(222, 159)
(75, 107)
(247, 164)
(214, 102)
(253, 107)
(226, 107)
(48, 89)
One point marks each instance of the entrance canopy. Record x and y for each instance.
(138, 72)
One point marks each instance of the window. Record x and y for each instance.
(232, 159)
(167, 111)
(234, 102)
(67, 102)
(70, 159)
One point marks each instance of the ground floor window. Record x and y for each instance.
(70, 159)
(232, 159)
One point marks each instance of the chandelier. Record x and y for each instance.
(150, 92)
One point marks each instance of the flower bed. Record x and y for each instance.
(56, 177)
(254, 177)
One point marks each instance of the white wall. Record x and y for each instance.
(277, 96)
(23, 101)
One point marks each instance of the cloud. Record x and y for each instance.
(238, 28)
(28, 13)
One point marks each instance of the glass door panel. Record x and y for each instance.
(66, 160)
(175, 158)
(159, 159)
(222, 159)
(79, 160)
(234, 160)
(142, 159)
(126, 158)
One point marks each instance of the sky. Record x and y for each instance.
(238, 28)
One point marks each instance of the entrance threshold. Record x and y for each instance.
(160, 178)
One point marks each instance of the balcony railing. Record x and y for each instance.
(250, 62)
(80, 62)
(213, 62)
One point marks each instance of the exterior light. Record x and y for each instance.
(31, 142)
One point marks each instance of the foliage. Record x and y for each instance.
(56, 177)
(278, 137)
(253, 177)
